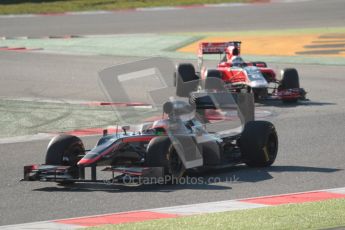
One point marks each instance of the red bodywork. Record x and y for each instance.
(235, 75)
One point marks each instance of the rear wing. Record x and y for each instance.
(214, 48)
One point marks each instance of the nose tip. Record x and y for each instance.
(83, 162)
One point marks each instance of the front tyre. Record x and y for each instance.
(290, 80)
(175, 167)
(259, 144)
(65, 150)
(161, 153)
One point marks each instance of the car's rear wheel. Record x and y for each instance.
(65, 150)
(214, 80)
(185, 79)
(259, 144)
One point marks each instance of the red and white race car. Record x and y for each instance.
(241, 76)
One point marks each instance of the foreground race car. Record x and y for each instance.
(241, 76)
(184, 139)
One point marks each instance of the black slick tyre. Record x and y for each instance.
(290, 80)
(65, 150)
(259, 144)
(161, 153)
(185, 79)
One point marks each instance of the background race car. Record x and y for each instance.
(241, 76)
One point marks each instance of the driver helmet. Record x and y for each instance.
(231, 51)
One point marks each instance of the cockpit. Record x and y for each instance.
(237, 61)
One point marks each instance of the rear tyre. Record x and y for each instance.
(214, 73)
(185, 79)
(214, 80)
(259, 144)
(65, 150)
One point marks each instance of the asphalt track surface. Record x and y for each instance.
(302, 14)
(311, 152)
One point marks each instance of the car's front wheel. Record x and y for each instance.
(259, 144)
(290, 80)
(161, 153)
(65, 150)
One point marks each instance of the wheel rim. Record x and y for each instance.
(71, 155)
(70, 158)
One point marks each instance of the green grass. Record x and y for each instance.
(19, 118)
(317, 215)
(56, 6)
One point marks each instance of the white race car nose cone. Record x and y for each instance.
(262, 83)
(255, 77)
